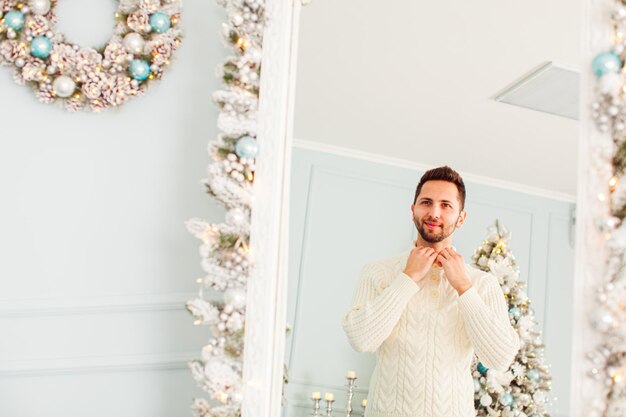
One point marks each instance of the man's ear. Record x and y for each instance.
(461, 219)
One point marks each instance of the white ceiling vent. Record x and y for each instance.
(549, 88)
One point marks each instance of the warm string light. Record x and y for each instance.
(243, 44)
(612, 183)
(221, 397)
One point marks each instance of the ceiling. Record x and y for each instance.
(416, 81)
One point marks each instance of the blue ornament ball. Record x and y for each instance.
(477, 385)
(505, 399)
(139, 69)
(515, 312)
(533, 375)
(482, 368)
(41, 47)
(160, 22)
(606, 62)
(247, 147)
(14, 20)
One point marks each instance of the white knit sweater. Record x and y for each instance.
(425, 335)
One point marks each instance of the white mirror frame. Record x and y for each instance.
(264, 344)
(266, 300)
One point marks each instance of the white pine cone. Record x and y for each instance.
(88, 62)
(63, 57)
(128, 6)
(18, 77)
(116, 90)
(34, 69)
(11, 50)
(116, 54)
(74, 104)
(139, 21)
(97, 105)
(52, 17)
(37, 25)
(150, 6)
(6, 5)
(161, 50)
(45, 94)
(91, 89)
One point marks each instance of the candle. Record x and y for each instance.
(316, 395)
(329, 396)
(351, 375)
(364, 403)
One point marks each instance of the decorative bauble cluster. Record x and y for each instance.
(146, 33)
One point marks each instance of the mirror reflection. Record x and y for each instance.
(432, 210)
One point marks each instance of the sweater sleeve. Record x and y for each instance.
(376, 307)
(488, 326)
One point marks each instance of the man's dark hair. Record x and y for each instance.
(444, 173)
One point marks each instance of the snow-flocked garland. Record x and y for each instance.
(146, 34)
(224, 249)
(608, 180)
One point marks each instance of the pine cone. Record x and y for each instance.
(45, 94)
(34, 69)
(150, 6)
(97, 105)
(11, 50)
(74, 104)
(139, 22)
(36, 25)
(117, 90)
(63, 57)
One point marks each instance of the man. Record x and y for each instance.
(425, 313)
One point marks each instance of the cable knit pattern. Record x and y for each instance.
(425, 336)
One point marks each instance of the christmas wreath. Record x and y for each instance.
(145, 35)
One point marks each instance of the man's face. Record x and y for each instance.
(437, 211)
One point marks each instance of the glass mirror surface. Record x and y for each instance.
(386, 91)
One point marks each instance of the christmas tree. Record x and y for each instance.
(523, 389)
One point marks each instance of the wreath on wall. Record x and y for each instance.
(146, 34)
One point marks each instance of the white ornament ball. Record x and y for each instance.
(134, 43)
(63, 86)
(602, 319)
(235, 297)
(237, 20)
(610, 83)
(39, 6)
(486, 400)
(235, 216)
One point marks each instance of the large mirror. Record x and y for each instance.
(384, 93)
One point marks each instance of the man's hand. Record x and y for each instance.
(454, 267)
(419, 262)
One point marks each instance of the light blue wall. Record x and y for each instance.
(347, 211)
(96, 260)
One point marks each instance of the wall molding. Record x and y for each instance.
(135, 303)
(90, 364)
(405, 163)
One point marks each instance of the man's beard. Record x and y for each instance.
(434, 236)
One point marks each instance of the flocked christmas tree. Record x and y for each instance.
(224, 247)
(523, 389)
